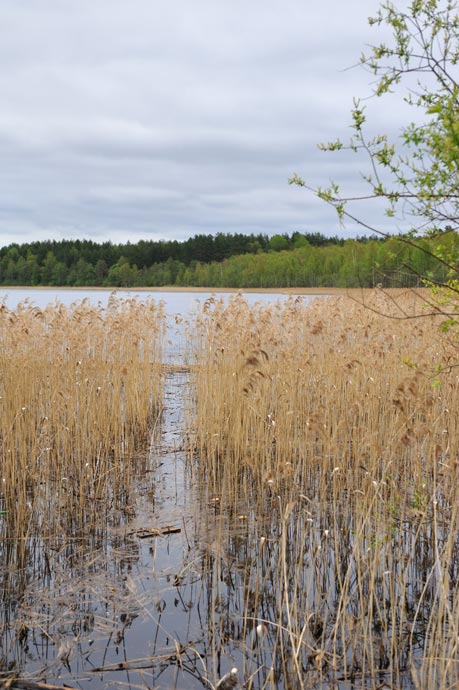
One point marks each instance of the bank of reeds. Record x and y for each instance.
(328, 438)
(80, 389)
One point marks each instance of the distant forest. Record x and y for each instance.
(226, 260)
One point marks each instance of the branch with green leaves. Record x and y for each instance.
(417, 175)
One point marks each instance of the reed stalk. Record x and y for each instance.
(331, 428)
(80, 388)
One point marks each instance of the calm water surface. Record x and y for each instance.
(176, 302)
(109, 607)
(112, 609)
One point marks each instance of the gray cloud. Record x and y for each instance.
(145, 119)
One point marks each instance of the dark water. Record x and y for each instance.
(115, 606)
(107, 606)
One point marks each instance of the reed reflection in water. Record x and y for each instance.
(292, 512)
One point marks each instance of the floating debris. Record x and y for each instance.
(146, 532)
(26, 684)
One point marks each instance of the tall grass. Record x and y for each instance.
(80, 388)
(329, 433)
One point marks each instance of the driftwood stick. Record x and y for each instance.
(25, 684)
(146, 532)
(139, 664)
(123, 666)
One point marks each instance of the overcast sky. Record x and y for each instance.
(154, 119)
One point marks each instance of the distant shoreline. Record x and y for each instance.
(175, 288)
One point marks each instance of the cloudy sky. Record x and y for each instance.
(166, 118)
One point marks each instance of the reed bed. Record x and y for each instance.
(80, 390)
(327, 439)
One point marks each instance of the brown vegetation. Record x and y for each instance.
(79, 389)
(328, 438)
(319, 506)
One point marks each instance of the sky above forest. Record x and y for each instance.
(151, 119)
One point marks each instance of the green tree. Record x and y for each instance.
(299, 240)
(8, 266)
(100, 272)
(122, 274)
(31, 270)
(416, 175)
(83, 273)
(278, 243)
(52, 271)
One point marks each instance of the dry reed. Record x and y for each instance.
(328, 436)
(80, 388)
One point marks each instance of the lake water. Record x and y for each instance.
(172, 589)
(179, 306)
(117, 610)
(176, 301)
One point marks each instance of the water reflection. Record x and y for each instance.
(266, 579)
(107, 608)
(177, 610)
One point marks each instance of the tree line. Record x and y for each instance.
(227, 260)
